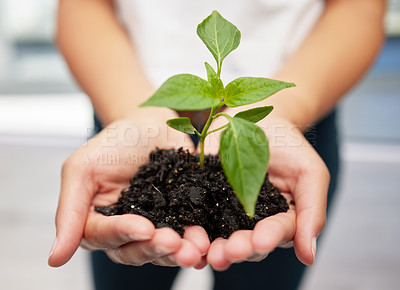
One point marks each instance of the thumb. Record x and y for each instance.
(73, 207)
(310, 198)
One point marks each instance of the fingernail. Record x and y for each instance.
(53, 248)
(314, 247)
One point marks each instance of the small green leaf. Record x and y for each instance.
(244, 157)
(211, 74)
(219, 35)
(182, 124)
(216, 84)
(248, 90)
(256, 114)
(184, 92)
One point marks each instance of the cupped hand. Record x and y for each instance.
(298, 171)
(95, 175)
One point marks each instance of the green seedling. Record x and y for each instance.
(243, 151)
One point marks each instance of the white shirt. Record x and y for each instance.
(164, 34)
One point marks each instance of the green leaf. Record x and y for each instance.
(244, 157)
(219, 35)
(248, 90)
(184, 92)
(256, 114)
(182, 124)
(216, 84)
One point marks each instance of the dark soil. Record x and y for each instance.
(173, 191)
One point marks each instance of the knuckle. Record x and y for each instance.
(168, 261)
(66, 166)
(119, 256)
(69, 164)
(286, 245)
(257, 257)
(80, 160)
(115, 256)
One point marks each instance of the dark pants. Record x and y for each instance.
(279, 271)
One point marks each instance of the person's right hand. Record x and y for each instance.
(95, 175)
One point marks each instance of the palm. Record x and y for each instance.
(95, 175)
(112, 175)
(108, 177)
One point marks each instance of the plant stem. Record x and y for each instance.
(204, 134)
(223, 114)
(202, 152)
(220, 128)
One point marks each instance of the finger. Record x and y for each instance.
(216, 256)
(105, 232)
(274, 230)
(203, 263)
(188, 254)
(166, 261)
(239, 246)
(164, 242)
(76, 194)
(288, 243)
(198, 237)
(310, 198)
(256, 257)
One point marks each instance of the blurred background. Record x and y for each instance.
(38, 97)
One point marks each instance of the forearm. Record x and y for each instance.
(333, 57)
(102, 58)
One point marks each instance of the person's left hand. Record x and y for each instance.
(255, 245)
(298, 171)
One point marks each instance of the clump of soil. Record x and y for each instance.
(172, 190)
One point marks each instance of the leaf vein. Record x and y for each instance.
(236, 146)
